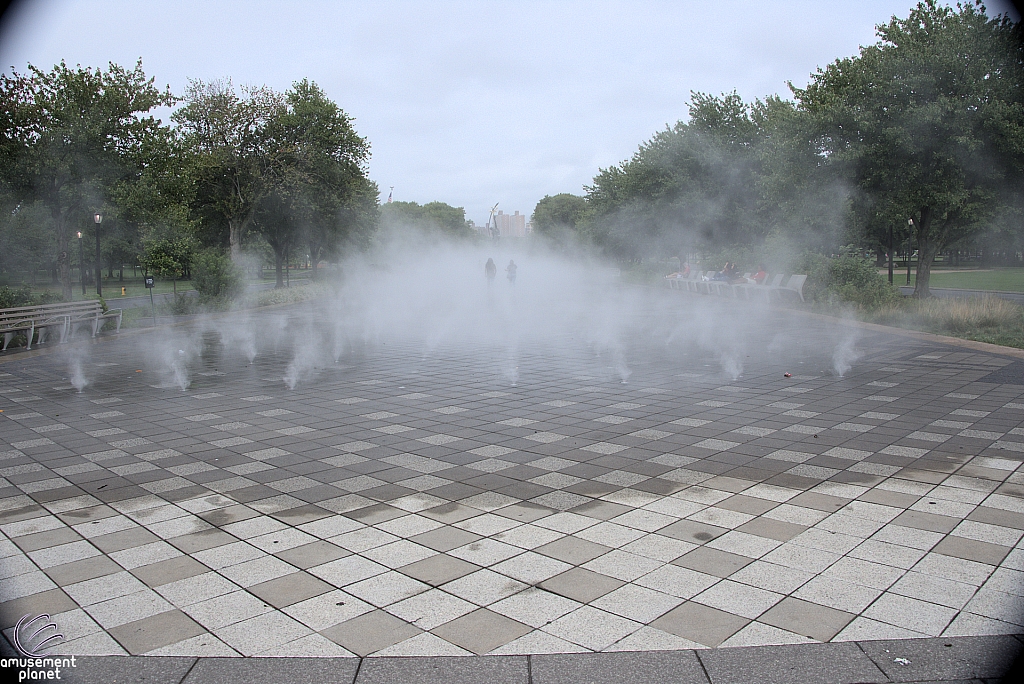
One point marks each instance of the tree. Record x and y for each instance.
(803, 199)
(335, 200)
(691, 184)
(68, 135)
(929, 121)
(168, 255)
(23, 247)
(320, 195)
(432, 217)
(233, 157)
(559, 212)
(277, 223)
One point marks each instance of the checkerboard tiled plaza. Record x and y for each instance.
(404, 502)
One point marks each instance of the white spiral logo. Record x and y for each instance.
(29, 646)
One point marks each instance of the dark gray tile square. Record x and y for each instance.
(81, 570)
(313, 554)
(481, 631)
(972, 550)
(700, 623)
(89, 669)
(289, 589)
(809, 619)
(445, 538)
(370, 632)
(573, 550)
(438, 570)
(581, 585)
(712, 561)
(170, 570)
(156, 631)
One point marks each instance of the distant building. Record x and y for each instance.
(511, 225)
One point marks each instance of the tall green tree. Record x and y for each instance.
(320, 196)
(929, 121)
(693, 184)
(432, 217)
(335, 201)
(278, 222)
(69, 135)
(231, 155)
(558, 212)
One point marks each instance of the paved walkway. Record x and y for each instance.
(957, 660)
(409, 501)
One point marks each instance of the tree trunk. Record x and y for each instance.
(927, 248)
(278, 262)
(63, 260)
(235, 226)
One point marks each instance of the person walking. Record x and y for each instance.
(490, 270)
(510, 272)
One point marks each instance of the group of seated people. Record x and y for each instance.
(728, 274)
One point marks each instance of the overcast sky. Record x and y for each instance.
(469, 103)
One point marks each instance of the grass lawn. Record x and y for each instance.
(1004, 279)
(135, 287)
(985, 319)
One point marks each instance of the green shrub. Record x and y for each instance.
(288, 295)
(214, 276)
(11, 297)
(184, 305)
(845, 279)
(48, 297)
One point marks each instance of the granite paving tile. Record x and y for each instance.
(416, 504)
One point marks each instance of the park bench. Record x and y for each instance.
(39, 320)
(775, 288)
(795, 284)
(702, 284)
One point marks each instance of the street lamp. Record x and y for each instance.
(890, 254)
(81, 262)
(98, 219)
(910, 246)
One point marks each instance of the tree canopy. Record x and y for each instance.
(286, 167)
(926, 124)
(432, 217)
(70, 137)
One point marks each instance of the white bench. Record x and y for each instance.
(773, 287)
(37, 321)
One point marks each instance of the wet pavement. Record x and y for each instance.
(412, 501)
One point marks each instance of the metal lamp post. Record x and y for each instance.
(890, 254)
(910, 247)
(98, 219)
(81, 262)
